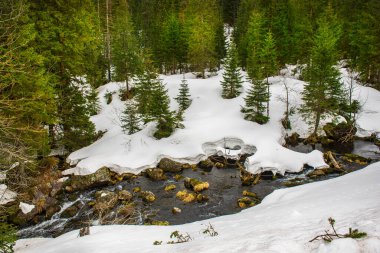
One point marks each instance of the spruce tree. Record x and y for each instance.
(323, 94)
(125, 50)
(255, 102)
(268, 61)
(7, 236)
(131, 119)
(67, 34)
(183, 97)
(232, 80)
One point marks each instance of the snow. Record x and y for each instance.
(26, 208)
(285, 222)
(6, 195)
(210, 123)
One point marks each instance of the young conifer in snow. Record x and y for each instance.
(232, 79)
(131, 118)
(183, 97)
(255, 102)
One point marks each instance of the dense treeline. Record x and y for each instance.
(54, 53)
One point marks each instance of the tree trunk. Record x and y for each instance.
(317, 120)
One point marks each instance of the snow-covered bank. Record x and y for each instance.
(284, 222)
(209, 119)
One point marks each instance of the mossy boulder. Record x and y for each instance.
(101, 177)
(245, 202)
(147, 196)
(196, 185)
(186, 196)
(249, 194)
(105, 201)
(156, 174)
(136, 189)
(168, 165)
(246, 178)
(206, 164)
(316, 173)
(124, 195)
(340, 132)
(293, 139)
(158, 223)
(170, 187)
(202, 198)
(126, 210)
(352, 158)
(178, 177)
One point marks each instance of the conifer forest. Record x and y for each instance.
(170, 112)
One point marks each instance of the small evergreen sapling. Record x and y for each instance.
(232, 80)
(131, 119)
(255, 103)
(183, 97)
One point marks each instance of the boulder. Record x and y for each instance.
(147, 196)
(293, 139)
(168, 165)
(195, 184)
(124, 195)
(170, 187)
(341, 132)
(186, 196)
(105, 201)
(206, 164)
(101, 177)
(156, 174)
(245, 202)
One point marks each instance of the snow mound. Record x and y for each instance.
(284, 222)
(212, 124)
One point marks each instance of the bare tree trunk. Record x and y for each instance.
(317, 120)
(108, 37)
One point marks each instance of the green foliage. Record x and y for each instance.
(210, 230)
(125, 49)
(329, 236)
(324, 93)
(131, 119)
(183, 97)
(255, 102)
(232, 80)
(26, 99)
(181, 238)
(7, 236)
(154, 104)
(68, 41)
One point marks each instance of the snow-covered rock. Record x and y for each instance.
(6, 195)
(26, 208)
(284, 222)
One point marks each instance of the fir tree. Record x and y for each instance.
(268, 61)
(183, 97)
(131, 118)
(232, 80)
(7, 236)
(255, 102)
(323, 95)
(67, 34)
(125, 55)
(154, 103)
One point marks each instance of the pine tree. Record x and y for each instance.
(26, 98)
(323, 95)
(131, 118)
(232, 80)
(254, 40)
(183, 97)
(125, 51)
(67, 34)
(154, 103)
(255, 102)
(268, 61)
